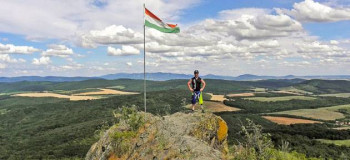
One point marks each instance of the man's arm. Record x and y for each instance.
(189, 85)
(203, 82)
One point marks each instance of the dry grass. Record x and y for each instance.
(72, 97)
(288, 121)
(106, 92)
(241, 95)
(215, 107)
(219, 98)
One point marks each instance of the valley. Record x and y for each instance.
(61, 120)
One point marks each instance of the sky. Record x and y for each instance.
(222, 37)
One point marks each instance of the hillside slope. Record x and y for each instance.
(178, 136)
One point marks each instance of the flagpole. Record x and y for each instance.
(144, 59)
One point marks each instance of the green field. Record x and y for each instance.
(295, 90)
(336, 142)
(344, 95)
(326, 113)
(284, 98)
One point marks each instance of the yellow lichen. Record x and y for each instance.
(222, 130)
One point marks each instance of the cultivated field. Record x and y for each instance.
(79, 94)
(288, 121)
(105, 92)
(326, 113)
(219, 98)
(284, 98)
(215, 107)
(336, 142)
(342, 128)
(259, 90)
(343, 95)
(295, 90)
(287, 92)
(70, 97)
(240, 95)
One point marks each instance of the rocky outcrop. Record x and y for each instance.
(177, 136)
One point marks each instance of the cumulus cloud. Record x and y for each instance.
(12, 49)
(311, 11)
(111, 35)
(63, 20)
(41, 61)
(125, 51)
(57, 50)
(8, 59)
(2, 66)
(253, 26)
(236, 41)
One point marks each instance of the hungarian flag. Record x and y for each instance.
(153, 21)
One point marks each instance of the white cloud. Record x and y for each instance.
(237, 13)
(58, 50)
(111, 35)
(12, 49)
(8, 59)
(334, 42)
(125, 51)
(41, 61)
(56, 19)
(311, 11)
(236, 41)
(2, 66)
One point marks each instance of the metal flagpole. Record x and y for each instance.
(144, 58)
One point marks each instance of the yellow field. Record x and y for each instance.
(70, 97)
(219, 98)
(241, 95)
(78, 96)
(343, 95)
(215, 107)
(284, 98)
(326, 113)
(288, 121)
(105, 92)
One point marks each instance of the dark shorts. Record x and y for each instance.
(197, 95)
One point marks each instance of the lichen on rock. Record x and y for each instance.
(177, 136)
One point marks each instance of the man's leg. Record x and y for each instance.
(201, 101)
(193, 101)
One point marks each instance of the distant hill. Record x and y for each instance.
(324, 86)
(48, 78)
(160, 76)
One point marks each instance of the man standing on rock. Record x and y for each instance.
(196, 86)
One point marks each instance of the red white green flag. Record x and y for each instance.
(153, 21)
